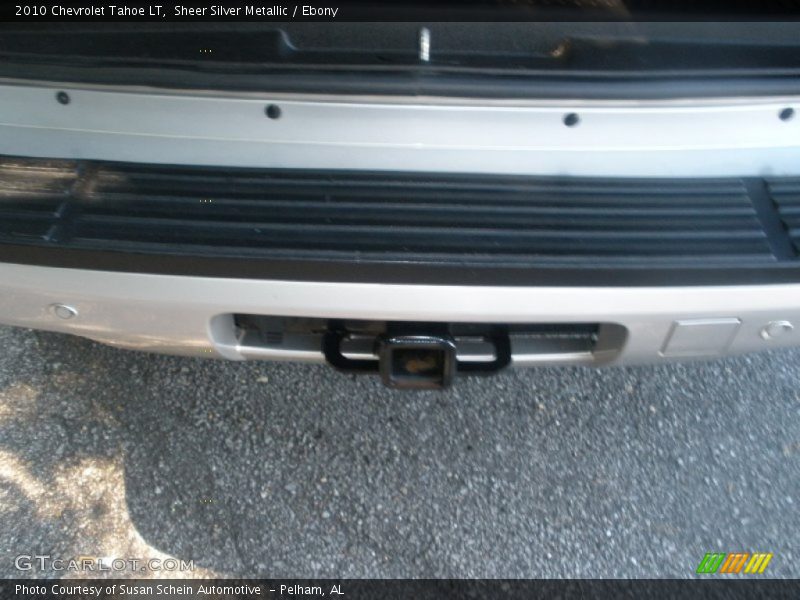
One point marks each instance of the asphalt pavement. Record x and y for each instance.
(283, 470)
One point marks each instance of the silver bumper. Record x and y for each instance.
(193, 315)
(715, 137)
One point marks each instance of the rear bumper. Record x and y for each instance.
(445, 222)
(193, 315)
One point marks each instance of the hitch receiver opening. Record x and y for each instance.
(417, 361)
(416, 356)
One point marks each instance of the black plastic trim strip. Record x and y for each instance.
(420, 274)
(509, 60)
(531, 86)
(778, 238)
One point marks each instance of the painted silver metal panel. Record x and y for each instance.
(192, 315)
(700, 337)
(723, 137)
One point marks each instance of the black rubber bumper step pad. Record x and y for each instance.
(256, 223)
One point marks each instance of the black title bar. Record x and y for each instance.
(388, 10)
(425, 589)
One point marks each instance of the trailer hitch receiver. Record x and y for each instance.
(417, 361)
(423, 356)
